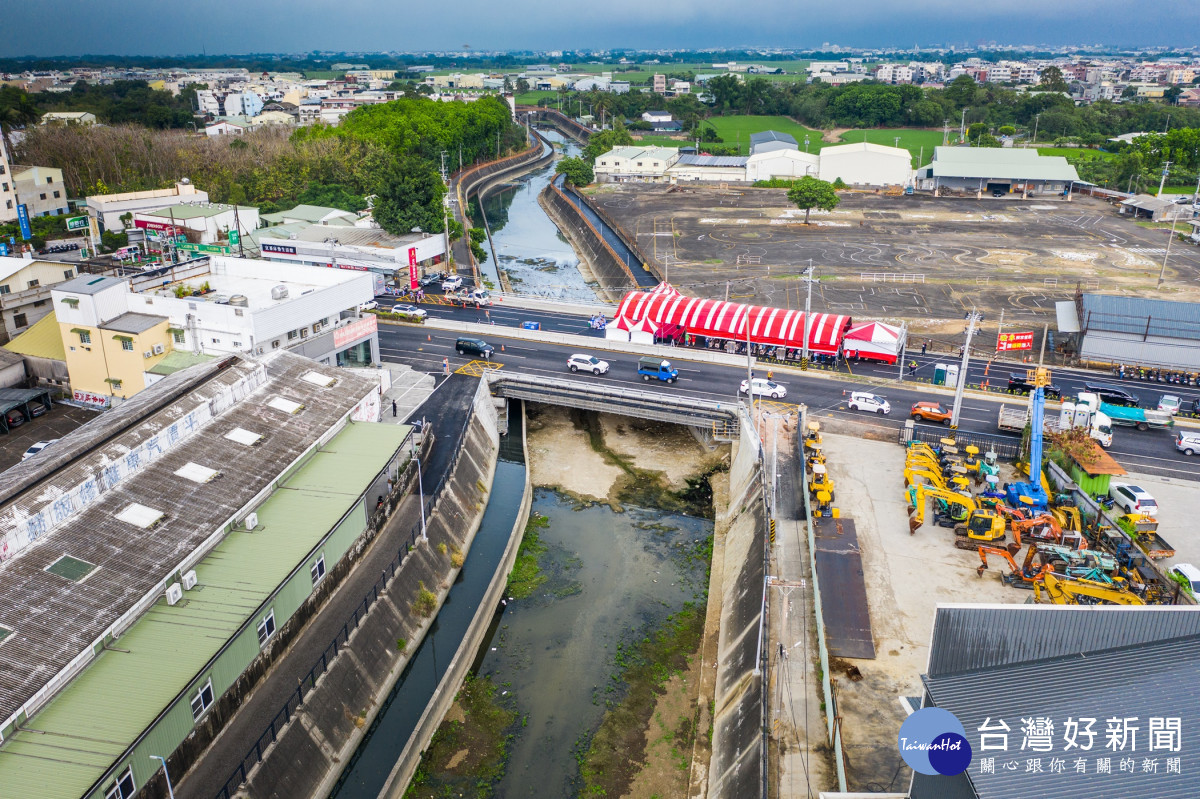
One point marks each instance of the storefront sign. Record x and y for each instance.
(88, 398)
(283, 249)
(368, 325)
(412, 268)
(1014, 341)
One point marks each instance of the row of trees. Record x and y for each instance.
(117, 103)
(392, 151)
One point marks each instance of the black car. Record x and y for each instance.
(1114, 396)
(474, 346)
(1019, 384)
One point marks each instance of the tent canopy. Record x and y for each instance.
(729, 320)
(874, 332)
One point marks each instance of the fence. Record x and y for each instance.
(1004, 446)
(280, 720)
(892, 277)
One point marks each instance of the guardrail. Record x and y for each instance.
(718, 418)
(1005, 447)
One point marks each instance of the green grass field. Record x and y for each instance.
(324, 74)
(912, 139)
(737, 129)
(531, 98)
(660, 141)
(1077, 152)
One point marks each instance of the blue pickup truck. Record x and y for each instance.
(657, 368)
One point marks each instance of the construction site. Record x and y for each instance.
(896, 532)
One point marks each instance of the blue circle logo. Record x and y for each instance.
(933, 741)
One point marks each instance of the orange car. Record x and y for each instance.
(930, 412)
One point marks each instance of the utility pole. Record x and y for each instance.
(1036, 119)
(1167, 254)
(972, 319)
(999, 329)
(903, 349)
(945, 132)
(808, 279)
(1042, 354)
(1163, 181)
(446, 208)
(962, 127)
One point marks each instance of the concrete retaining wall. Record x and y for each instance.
(309, 755)
(737, 767)
(436, 711)
(650, 264)
(610, 272)
(557, 120)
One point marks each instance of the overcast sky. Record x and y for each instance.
(155, 27)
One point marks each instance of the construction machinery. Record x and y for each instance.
(820, 480)
(824, 506)
(1032, 493)
(954, 508)
(1023, 576)
(984, 527)
(1058, 589)
(812, 434)
(1067, 516)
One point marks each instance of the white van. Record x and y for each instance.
(1188, 574)
(1187, 443)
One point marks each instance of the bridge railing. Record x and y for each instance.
(719, 418)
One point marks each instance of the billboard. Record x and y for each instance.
(1014, 341)
(23, 221)
(412, 268)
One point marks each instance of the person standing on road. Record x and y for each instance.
(393, 408)
(912, 368)
(923, 346)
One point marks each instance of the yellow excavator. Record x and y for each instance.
(820, 481)
(1067, 517)
(1056, 589)
(984, 527)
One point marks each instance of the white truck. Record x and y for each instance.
(1083, 413)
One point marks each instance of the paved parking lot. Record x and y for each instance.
(920, 258)
(55, 424)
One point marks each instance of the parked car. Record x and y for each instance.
(1170, 403)
(474, 346)
(1186, 574)
(1018, 383)
(36, 448)
(763, 388)
(453, 283)
(1114, 396)
(931, 412)
(652, 368)
(866, 401)
(588, 363)
(1132, 499)
(37, 409)
(1187, 443)
(15, 418)
(411, 311)
(430, 279)
(369, 305)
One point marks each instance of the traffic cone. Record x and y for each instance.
(502, 348)
(428, 337)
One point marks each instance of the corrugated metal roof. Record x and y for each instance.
(1136, 682)
(133, 322)
(1000, 163)
(1067, 317)
(53, 620)
(1130, 349)
(88, 284)
(713, 160)
(971, 637)
(1141, 316)
(765, 136)
(121, 693)
(42, 340)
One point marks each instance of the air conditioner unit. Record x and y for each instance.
(174, 593)
(189, 580)
(159, 349)
(304, 332)
(147, 354)
(251, 521)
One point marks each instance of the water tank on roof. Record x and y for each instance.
(279, 292)
(240, 300)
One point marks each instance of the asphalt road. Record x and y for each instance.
(1150, 452)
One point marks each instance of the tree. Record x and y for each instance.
(987, 140)
(975, 130)
(961, 91)
(578, 171)
(1171, 94)
(1052, 80)
(522, 86)
(605, 140)
(16, 111)
(808, 193)
(408, 195)
(1007, 130)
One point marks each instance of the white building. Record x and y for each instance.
(782, 163)
(644, 164)
(40, 189)
(244, 103)
(866, 164)
(109, 208)
(710, 168)
(8, 187)
(251, 307)
(201, 222)
(353, 248)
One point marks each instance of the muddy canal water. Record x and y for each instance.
(612, 579)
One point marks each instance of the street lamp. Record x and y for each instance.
(806, 143)
(420, 484)
(166, 773)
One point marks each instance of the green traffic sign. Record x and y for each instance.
(207, 249)
(77, 223)
(234, 237)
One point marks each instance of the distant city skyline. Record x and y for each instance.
(143, 27)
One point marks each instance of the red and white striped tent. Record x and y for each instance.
(639, 332)
(729, 320)
(873, 341)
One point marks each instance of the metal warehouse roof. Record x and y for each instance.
(713, 160)
(1140, 316)
(129, 456)
(1000, 163)
(1134, 683)
(162, 654)
(133, 322)
(974, 637)
(769, 136)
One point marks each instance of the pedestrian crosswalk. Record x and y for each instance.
(1146, 250)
